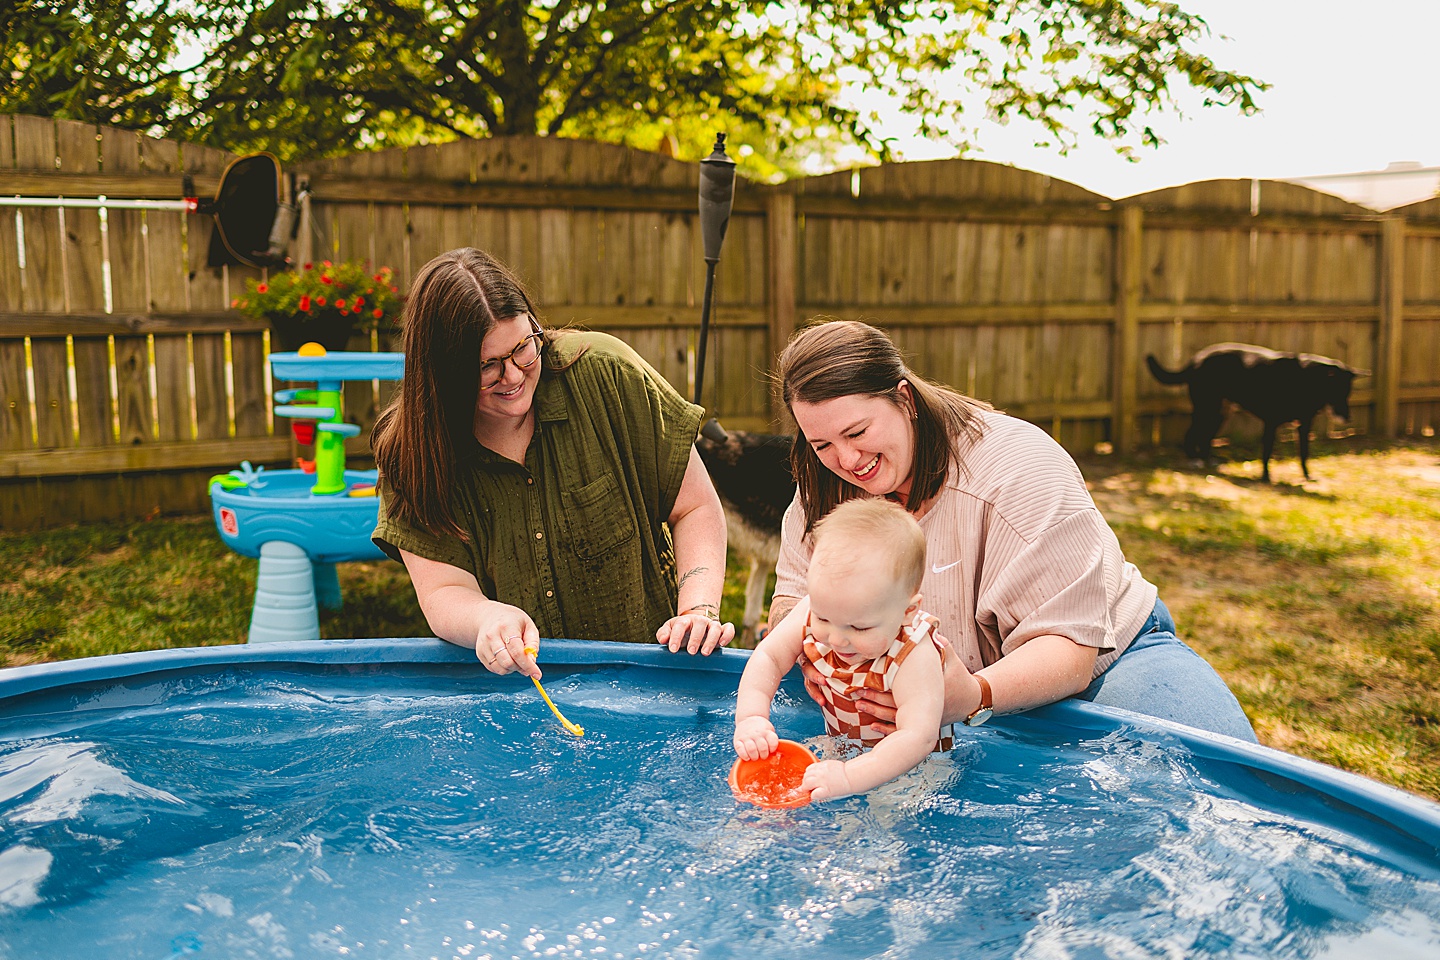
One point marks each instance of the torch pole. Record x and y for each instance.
(717, 194)
(704, 328)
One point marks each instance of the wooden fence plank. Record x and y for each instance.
(1392, 317)
(1129, 284)
(15, 422)
(813, 269)
(252, 402)
(78, 148)
(7, 143)
(92, 391)
(12, 294)
(353, 230)
(781, 251)
(44, 286)
(172, 390)
(212, 399)
(43, 258)
(552, 285)
(645, 258)
(10, 277)
(165, 261)
(49, 362)
(132, 378)
(120, 153)
(618, 263)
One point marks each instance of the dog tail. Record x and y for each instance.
(1166, 376)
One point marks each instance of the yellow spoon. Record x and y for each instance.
(578, 731)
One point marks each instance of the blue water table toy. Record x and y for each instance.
(302, 522)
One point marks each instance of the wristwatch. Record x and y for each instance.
(986, 709)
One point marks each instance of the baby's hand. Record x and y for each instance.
(755, 738)
(827, 780)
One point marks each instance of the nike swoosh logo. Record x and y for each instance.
(935, 568)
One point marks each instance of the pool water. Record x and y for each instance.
(433, 810)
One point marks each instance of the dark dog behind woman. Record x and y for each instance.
(1027, 579)
(542, 484)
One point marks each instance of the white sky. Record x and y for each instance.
(1355, 86)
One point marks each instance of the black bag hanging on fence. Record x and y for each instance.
(252, 227)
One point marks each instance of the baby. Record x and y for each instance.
(862, 627)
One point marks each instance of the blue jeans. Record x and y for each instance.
(1159, 676)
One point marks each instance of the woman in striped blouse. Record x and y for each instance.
(1024, 573)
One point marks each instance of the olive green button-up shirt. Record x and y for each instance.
(577, 535)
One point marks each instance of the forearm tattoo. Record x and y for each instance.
(693, 572)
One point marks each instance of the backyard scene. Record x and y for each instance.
(216, 221)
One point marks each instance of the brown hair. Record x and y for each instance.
(452, 305)
(869, 529)
(841, 358)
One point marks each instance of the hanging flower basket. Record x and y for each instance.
(324, 302)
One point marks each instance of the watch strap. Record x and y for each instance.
(987, 701)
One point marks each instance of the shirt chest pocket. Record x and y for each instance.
(598, 520)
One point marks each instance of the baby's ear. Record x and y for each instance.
(914, 603)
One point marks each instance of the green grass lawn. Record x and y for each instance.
(1318, 602)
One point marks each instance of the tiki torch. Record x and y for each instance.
(717, 193)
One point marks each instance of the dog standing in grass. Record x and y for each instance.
(1277, 387)
(751, 472)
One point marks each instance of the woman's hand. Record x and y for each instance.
(962, 695)
(696, 631)
(827, 780)
(755, 738)
(500, 643)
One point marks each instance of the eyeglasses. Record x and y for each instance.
(524, 355)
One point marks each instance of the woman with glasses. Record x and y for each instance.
(542, 484)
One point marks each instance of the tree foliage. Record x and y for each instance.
(317, 77)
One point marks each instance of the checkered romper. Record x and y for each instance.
(843, 717)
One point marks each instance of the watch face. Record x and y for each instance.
(979, 717)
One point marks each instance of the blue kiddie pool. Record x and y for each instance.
(389, 798)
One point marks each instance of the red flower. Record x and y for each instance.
(394, 289)
(320, 301)
(325, 278)
(340, 304)
(262, 289)
(307, 266)
(305, 302)
(379, 278)
(377, 313)
(359, 301)
(327, 263)
(235, 302)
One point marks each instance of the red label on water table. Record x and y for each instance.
(229, 523)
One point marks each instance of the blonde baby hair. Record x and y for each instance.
(872, 531)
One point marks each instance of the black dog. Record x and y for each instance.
(751, 472)
(1276, 387)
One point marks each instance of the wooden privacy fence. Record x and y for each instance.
(126, 380)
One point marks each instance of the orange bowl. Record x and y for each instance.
(773, 782)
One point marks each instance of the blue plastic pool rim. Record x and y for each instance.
(1407, 813)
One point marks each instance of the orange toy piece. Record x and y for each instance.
(773, 782)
